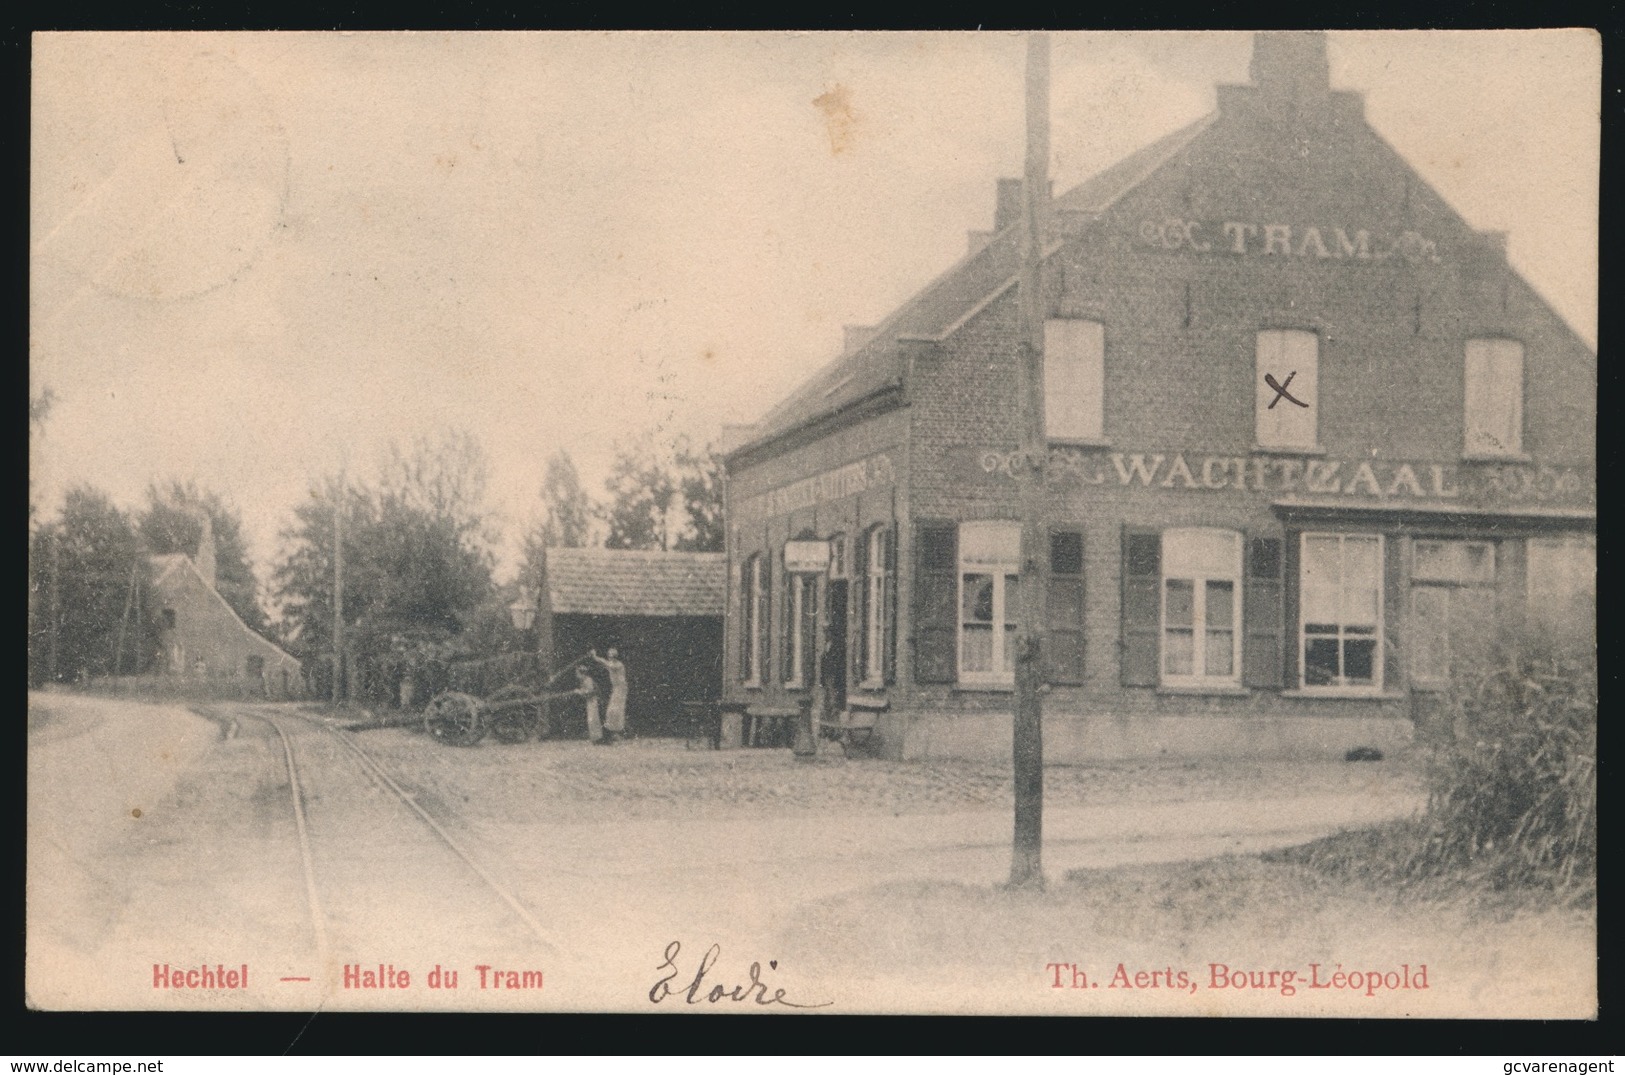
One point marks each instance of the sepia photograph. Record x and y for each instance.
(914, 523)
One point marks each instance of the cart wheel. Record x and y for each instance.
(454, 719)
(514, 725)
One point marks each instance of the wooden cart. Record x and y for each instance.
(513, 713)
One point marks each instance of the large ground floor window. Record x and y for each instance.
(1340, 604)
(1452, 608)
(1562, 589)
(1201, 607)
(989, 599)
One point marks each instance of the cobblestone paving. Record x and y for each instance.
(568, 780)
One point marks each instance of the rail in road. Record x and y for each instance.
(384, 887)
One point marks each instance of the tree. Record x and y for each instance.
(568, 522)
(92, 614)
(567, 518)
(173, 522)
(641, 489)
(417, 560)
(699, 484)
(39, 408)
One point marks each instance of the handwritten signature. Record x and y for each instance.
(696, 991)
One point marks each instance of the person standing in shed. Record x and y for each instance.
(615, 712)
(587, 687)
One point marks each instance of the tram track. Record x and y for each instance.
(328, 840)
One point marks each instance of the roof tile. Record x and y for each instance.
(620, 582)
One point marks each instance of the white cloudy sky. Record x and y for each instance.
(254, 253)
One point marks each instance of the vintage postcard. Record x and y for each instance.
(992, 523)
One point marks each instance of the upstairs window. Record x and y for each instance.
(1074, 380)
(1494, 398)
(1291, 358)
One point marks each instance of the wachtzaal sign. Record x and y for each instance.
(1365, 479)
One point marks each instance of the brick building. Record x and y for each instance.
(1234, 569)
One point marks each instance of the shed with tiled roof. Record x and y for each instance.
(661, 610)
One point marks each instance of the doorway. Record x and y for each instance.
(832, 673)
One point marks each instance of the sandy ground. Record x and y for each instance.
(96, 769)
(869, 885)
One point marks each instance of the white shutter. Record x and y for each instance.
(1494, 397)
(1283, 354)
(1074, 379)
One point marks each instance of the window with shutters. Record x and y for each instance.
(801, 612)
(1494, 398)
(1340, 612)
(879, 582)
(1290, 357)
(753, 599)
(989, 597)
(1074, 380)
(1201, 607)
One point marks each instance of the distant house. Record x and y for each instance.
(202, 641)
(662, 610)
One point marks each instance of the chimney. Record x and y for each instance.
(976, 240)
(1290, 64)
(1007, 209)
(205, 550)
(857, 336)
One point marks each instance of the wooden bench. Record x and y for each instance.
(856, 723)
(778, 722)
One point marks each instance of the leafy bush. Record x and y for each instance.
(1512, 788)
(1513, 793)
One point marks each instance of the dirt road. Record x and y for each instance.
(569, 895)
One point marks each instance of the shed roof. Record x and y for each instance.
(620, 582)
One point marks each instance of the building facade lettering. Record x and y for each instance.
(1314, 242)
(1372, 479)
(872, 473)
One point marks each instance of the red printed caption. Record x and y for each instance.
(1221, 976)
(355, 976)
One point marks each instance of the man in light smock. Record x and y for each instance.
(615, 711)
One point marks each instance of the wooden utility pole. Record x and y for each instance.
(1027, 861)
(56, 601)
(338, 591)
(123, 622)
